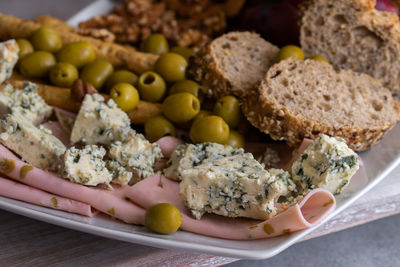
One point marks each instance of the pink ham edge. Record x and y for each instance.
(32, 195)
(63, 116)
(109, 202)
(58, 131)
(168, 145)
(158, 189)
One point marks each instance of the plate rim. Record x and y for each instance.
(154, 241)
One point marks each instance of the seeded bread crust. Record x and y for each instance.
(232, 64)
(352, 34)
(301, 99)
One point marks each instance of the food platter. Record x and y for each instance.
(378, 163)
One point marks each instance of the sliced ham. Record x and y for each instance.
(59, 132)
(65, 118)
(32, 195)
(168, 145)
(109, 202)
(311, 210)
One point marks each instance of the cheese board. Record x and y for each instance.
(387, 152)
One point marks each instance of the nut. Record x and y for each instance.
(77, 91)
(89, 89)
(80, 89)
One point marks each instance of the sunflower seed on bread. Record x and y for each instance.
(352, 34)
(303, 98)
(232, 64)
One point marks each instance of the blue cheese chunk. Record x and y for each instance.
(269, 158)
(119, 174)
(86, 166)
(188, 156)
(136, 154)
(8, 58)
(26, 102)
(234, 186)
(281, 187)
(327, 163)
(99, 122)
(37, 146)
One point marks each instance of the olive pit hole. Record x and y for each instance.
(149, 79)
(195, 104)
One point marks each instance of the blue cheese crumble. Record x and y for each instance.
(26, 102)
(327, 163)
(269, 158)
(86, 166)
(37, 146)
(234, 186)
(187, 156)
(119, 174)
(8, 58)
(136, 154)
(99, 122)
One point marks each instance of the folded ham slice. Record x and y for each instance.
(109, 202)
(311, 210)
(58, 131)
(32, 195)
(157, 189)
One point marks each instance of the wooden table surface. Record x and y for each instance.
(27, 242)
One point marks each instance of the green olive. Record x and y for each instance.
(155, 44)
(319, 58)
(181, 107)
(37, 64)
(163, 218)
(151, 86)
(78, 54)
(290, 51)
(97, 72)
(235, 139)
(121, 76)
(209, 129)
(228, 108)
(125, 95)
(157, 127)
(63, 74)
(46, 39)
(25, 47)
(188, 86)
(186, 52)
(171, 67)
(202, 114)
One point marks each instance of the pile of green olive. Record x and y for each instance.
(43, 56)
(182, 100)
(296, 52)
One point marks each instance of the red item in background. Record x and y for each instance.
(276, 21)
(388, 5)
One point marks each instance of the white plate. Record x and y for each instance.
(382, 159)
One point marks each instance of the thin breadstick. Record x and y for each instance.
(54, 23)
(61, 97)
(117, 55)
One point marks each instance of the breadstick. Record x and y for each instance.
(54, 23)
(61, 97)
(117, 55)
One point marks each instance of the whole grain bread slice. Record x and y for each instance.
(302, 98)
(354, 35)
(232, 64)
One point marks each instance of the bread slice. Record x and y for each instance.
(232, 64)
(353, 35)
(302, 98)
